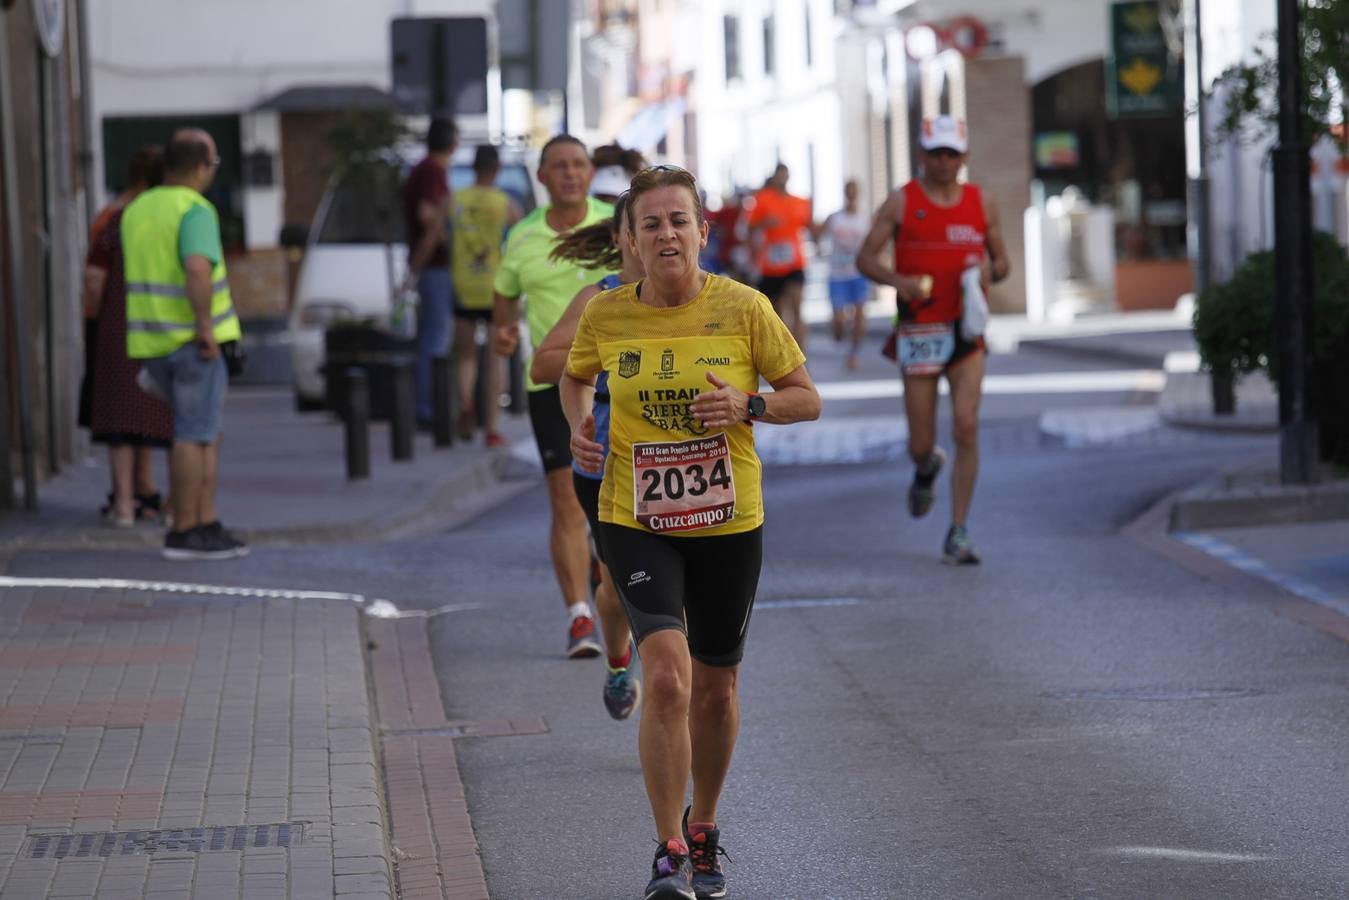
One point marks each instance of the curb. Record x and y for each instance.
(1065, 347)
(1150, 531)
(1221, 502)
(435, 853)
(1232, 425)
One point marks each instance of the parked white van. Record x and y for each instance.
(355, 257)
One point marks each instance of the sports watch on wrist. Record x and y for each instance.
(756, 407)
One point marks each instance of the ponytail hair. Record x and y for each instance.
(594, 246)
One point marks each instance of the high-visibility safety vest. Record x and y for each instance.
(159, 317)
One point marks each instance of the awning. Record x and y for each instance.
(327, 98)
(646, 128)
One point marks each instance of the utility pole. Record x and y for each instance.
(1293, 276)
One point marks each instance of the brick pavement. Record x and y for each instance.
(150, 724)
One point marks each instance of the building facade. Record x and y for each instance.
(258, 79)
(43, 217)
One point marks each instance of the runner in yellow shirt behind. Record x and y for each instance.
(479, 216)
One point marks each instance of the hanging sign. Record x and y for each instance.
(1143, 77)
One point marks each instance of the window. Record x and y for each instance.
(730, 27)
(769, 62)
(809, 47)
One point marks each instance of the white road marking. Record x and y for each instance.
(1143, 380)
(1239, 559)
(1182, 855)
(377, 607)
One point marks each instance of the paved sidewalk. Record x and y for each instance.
(282, 480)
(185, 743)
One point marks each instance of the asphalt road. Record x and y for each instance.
(1077, 717)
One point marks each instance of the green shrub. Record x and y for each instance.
(1234, 326)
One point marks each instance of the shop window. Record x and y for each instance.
(1136, 166)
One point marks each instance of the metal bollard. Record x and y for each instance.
(357, 424)
(402, 410)
(442, 401)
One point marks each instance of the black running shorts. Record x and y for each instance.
(703, 586)
(588, 495)
(473, 315)
(552, 434)
(771, 285)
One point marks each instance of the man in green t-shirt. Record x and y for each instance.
(548, 286)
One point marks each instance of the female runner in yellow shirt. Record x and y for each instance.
(680, 499)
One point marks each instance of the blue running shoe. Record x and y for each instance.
(957, 550)
(622, 692)
(671, 873)
(704, 848)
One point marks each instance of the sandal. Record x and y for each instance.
(149, 507)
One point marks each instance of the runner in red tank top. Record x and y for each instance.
(940, 228)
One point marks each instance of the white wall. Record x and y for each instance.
(1241, 184)
(1052, 35)
(747, 125)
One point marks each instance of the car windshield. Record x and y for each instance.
(355, 215)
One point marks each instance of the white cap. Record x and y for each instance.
(944, 132)
(610, 181)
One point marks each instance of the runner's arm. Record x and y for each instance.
(505, 324)
(550, 359)
(883, 229)
(577, 398)
(997, 249)
(793, 399)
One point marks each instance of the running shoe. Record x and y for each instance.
(494, 439)
(958, 551)
(671, 873)
(581, 642)
(922, 492)
(704, 847)
(622, 692)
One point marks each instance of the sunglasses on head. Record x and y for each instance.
(666, 167)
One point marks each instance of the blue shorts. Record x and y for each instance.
(844, 292)
(195, 389)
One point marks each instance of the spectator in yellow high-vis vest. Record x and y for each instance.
(178, 314)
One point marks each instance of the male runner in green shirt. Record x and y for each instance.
(548, 286)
